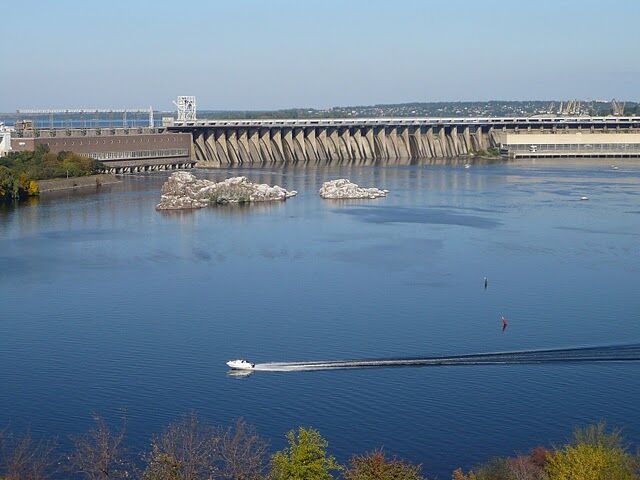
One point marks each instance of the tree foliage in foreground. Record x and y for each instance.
(184, 451)
(23, 458)
(522, 467)
(19, 171)
(100, 453)
(306, 458)
(594, 454)
(375, 466)
(190, 449)
(241, 453)
(591, 462)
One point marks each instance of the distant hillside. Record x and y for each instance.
(414, 109)
(435, 109)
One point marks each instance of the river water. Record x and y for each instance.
(108, 305)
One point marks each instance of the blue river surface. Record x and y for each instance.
(108, 305)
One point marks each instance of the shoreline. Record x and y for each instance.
(74, 183)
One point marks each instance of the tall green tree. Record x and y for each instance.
(304, 459)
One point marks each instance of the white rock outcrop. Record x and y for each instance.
(183, 190)
(343, 188)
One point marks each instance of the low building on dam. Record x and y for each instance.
(571, 145)
(121, 150)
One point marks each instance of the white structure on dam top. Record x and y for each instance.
(5, 140)
(186, 105)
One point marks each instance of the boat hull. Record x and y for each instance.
(240, 365)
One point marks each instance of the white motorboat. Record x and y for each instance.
(584, 198)
(241, 364)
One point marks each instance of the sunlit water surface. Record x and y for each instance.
(110, 305)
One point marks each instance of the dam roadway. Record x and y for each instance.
(383, 140)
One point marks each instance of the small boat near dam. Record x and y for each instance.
(241, 364)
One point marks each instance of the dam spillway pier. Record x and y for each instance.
(398, 140)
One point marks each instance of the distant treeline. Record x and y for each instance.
(20, 171)
(190, 449)
(427, 109)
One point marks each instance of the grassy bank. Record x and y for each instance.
(21, 171)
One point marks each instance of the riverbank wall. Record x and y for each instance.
(91, 181)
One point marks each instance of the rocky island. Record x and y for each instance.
(345, 189)
(183, 190)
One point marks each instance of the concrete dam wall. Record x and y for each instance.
(375, 140)
(335, 144)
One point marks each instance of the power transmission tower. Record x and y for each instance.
(186, 108)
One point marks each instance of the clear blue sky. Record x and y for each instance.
(264, 54)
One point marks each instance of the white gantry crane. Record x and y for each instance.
(186, 108)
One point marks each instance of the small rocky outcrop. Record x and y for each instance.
(183, 190)
(343, 189)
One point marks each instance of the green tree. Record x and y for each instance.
(594, 454)
(19, 171)
(591, 462)
(6, 183)
(374, 466)
(305, 459)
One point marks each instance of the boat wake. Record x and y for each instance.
(611, 353)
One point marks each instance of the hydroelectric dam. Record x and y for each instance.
(186, 141)
(403, 140)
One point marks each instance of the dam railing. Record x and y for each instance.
(412, 121)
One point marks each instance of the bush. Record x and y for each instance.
(191, 450)
(374, 466)
(591, 462)
(305, 458)
(594, 454)
(185, 451)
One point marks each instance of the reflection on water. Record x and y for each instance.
(107, 303)
(440, 216)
